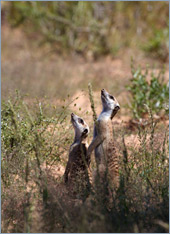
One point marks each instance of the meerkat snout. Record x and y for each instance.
(85, 130)
(117, 108)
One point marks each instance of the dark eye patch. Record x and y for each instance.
(80, 121)
(112, 97)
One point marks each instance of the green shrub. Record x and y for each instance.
(31, 140)
(158, 44)
(153, 93)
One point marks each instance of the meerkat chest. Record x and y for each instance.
(106, 130)
(78, 154)
(106, 150)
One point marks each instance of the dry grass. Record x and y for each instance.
(34, 197)
(39, 73)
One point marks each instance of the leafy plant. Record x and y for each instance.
(158, 44)
(31, 140)
(154, 92)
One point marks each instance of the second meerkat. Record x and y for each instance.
(78, 163)
(103, 142)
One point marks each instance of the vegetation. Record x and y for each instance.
(158, 44)
(90, 28)
(148, 90)
(32, 141)
(36, 132)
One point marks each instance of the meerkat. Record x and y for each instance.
(76, 172)
(103, 142)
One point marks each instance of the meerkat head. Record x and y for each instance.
(80, 126)
(110, 104)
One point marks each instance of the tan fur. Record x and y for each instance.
(103, 143)
(76, 172)
(77, 162)
(109, 159)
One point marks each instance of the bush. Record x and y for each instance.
(31, 141)
(157, 45)
(27, 133)
(153, 93)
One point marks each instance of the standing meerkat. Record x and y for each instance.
(103, 142)
(78, 162)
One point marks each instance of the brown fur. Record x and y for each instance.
(110, 158)
(76, 172)
(78, 161)
(103, 142)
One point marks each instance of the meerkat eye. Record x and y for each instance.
(112, 97)
(80, 121)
